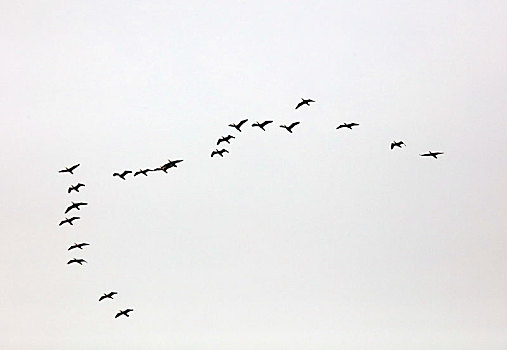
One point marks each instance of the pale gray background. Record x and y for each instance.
(324, 239)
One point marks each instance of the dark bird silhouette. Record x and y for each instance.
(107, 296)
(220, 153)
(225, 139)
(431, 154)
(397, 144)
(68, 221)
(75, 188)
(263, 124)
(304, 102)
(122, 175)
(289, 128)
(347, 125)
(238, 126)
(168, 165)
(69, 170)
(75, 205)
(124, 312)
(78, 245)
(144, 172)
(74, 260)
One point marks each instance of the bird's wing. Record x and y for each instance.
(72, 247)
(70, 189)
(62, 171)
(102, 297)
(392, 145)
(340, 126)
(293, 124)
(310, 100)
(300, 104)
(129, 310)
(242, 122)
(118, 315)
(73, 167)
(62, 222)
(69, 208)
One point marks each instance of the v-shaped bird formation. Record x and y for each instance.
(123, 175)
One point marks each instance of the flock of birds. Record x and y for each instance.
(262, 125)
(80, 261)
(164, 167)
(173, 164)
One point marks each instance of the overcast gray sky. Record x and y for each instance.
(320, 239)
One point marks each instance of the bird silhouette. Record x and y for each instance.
(107, 296)
(220, 153)
(397, 144)
(78, 261)
(169, 164)
(75, 205)
(68, 221)
(431, 154)
(124, 312)
(69, 170)
(347, 125)
(75, 188)
(225, 139)
(122, 175)
(289, 128)
(304, 102)
(238, 126)
(78, 245)
(144, 172)
(263, 124)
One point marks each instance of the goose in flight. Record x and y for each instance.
(220, 153)
(75, 188)
(107, 296)
(225, 139)
(168, 165)
(69, 170)
(347, 125)
(431, 154)
(397, 144)
(68, 221)
(75, 205)
(144, 172)
(263, 124)
(122, 175)
(74, 260)
(304, 102)
(124, 312)
(78, 245)
(289, 128)
(238, 126)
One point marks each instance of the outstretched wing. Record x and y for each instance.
(300, 104)
(242, 122)
(73, 167)
(293, 125)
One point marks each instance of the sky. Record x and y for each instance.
(320, 239)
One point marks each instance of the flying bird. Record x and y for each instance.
(238, 126)
(168, 165)
(68, 221)
(289, 128)
(124, 312)
(75, 205)
(397, 144)
(122, 175)
(220, 153)
(431, 154)
(74, 260)
(263, 124)
(75, 188)
(107, 296)
(144, 172)
(225, 139)
(304, 102)
(345, 125)
(78, 245)
(69, 170)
